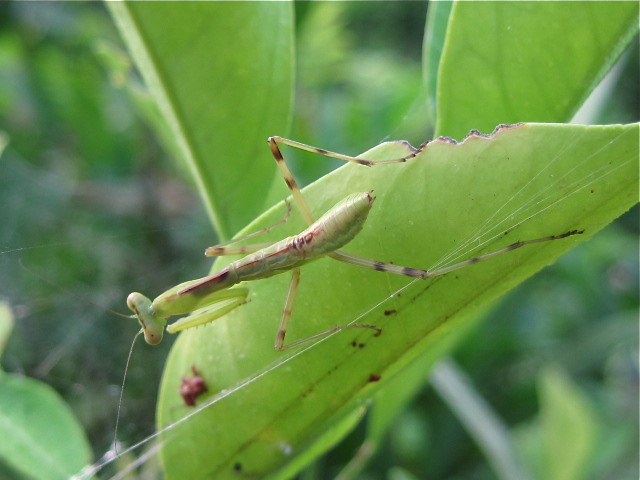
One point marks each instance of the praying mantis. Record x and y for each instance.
(205, 299)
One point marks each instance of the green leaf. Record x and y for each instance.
(390, 401)
(119, 66)
(6, 326)
(508, 62)
(397, 473)
(220, 103)
(333, 433)
(568, 427)
(523, 182)
(4, 141)
(41, 437)
(432, 47)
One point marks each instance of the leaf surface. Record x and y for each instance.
(220, 103)
(452, 202)
(508, 62)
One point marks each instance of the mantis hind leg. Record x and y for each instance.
(286, 315)
(424, 274)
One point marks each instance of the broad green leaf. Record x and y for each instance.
(568, 427)
(395, 396)
(334, 432)
(508, 62)
(46, 440)
(390, 401)
(453, 201)
(41, 439)
(220, 103)
(398, 391)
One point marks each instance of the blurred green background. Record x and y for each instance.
(89, 214)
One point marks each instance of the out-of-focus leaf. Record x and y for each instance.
(41, 438)
(6, 326)
(568, 427)
(483, 425)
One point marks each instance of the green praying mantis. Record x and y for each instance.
(205, 299)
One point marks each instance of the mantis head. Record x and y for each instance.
(152, 324)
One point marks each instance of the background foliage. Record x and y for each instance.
(89, 212)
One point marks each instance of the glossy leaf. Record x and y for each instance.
(523, 182)
(220, 103)
(507, 62)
